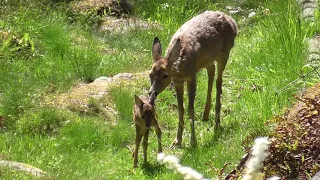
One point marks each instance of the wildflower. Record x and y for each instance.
(173, 163)
(190, 173)
(160, 157)
(259, 154)
(164, 5)
(273, 178)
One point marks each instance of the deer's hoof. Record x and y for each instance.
(205, 118)
(217, 126)
(193, 143)
(175, 144)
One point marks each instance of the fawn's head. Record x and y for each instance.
(146, 109)
(160, 74)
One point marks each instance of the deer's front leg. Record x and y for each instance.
(137, 144)
(179, 91)
(145, 146)
(158, 132)
(192, 87)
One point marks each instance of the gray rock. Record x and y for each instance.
(316, 176)
(309, 4)
(103, 79)
(125, 25)
(308, 14)
(314, 45)
(123, 76)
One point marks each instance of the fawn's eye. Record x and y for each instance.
(165, 76)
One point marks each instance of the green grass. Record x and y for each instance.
(268, 55)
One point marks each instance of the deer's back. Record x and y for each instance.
(202, 39)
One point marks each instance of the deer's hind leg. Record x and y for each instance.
(192, 87)
(137, 144)
(211, 72)
(221, 64)
(158, 133)
(179, 91)
(145, 146)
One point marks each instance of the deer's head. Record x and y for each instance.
(146, 110)
(160, 74)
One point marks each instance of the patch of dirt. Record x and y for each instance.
(84, 98)
(125, 25)
(110, 15)
(102, 7)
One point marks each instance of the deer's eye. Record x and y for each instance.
(165, 76)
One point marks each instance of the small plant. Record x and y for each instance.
(85, 135)
(16, 46)
(45, 121)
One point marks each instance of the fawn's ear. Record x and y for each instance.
(174, 53)
(138, 101)
(156, 49)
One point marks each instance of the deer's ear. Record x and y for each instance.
(156, 49)
(174, 53)
(138, 101)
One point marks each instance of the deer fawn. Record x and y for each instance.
(198, 43)
(144, 117)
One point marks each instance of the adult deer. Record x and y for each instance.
(201, 41)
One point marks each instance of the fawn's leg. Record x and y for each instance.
(221, 63)
(179, 91)
(210, 72)
(158, 132)
(145, 146)
(137, 144)
(192, 87)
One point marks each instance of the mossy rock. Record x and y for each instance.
(295, 142)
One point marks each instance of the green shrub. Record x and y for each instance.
(45, 121)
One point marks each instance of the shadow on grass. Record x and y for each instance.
(222, 132)
(153, 169)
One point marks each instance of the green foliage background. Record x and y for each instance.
(44, 53)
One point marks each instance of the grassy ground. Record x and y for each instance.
(56, 54)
